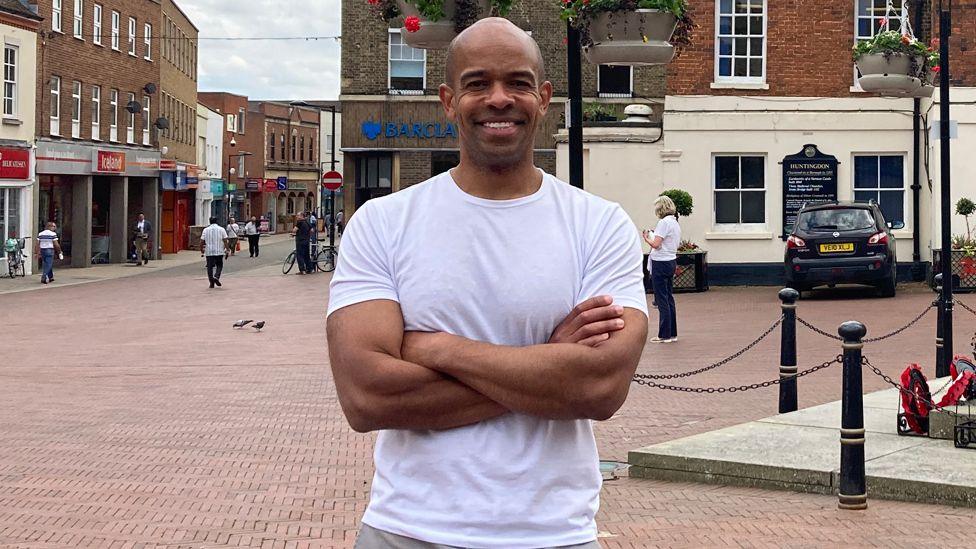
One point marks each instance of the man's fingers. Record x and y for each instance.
(596, 328)
(592, 303)
(595, 340)
(591, 316)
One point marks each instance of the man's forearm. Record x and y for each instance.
(404, 395)
(555, 381)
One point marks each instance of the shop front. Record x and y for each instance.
(218, 205)
(295, 191)
(178, 197)
(16, 183)
(94, 194)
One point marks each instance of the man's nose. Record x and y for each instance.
(499, 96)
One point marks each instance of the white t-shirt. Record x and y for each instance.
(46, 239)
(670, 233)
(213, 237)
(504, 272)
(232, 230)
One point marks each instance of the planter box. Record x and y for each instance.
(888, 74)
(963, 270)
(435, 35)
(691, 274)
(633, 38)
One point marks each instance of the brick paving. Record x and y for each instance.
(134, 416)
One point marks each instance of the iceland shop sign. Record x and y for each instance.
(408, 130)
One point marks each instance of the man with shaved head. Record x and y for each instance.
(483, 341)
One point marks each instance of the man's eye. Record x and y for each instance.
(522, 84)
(476, 84)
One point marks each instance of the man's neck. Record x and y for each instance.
(507, 184)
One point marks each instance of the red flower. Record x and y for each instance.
(936, 69)
(586, 2)
(906, 40)
(935, 43)
(412, 23)
(373, 2)
(565, 40)
(883, 21)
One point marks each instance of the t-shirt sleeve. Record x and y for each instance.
(363, 272)
(613, 266)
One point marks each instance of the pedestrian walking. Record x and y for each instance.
(143, 238)
(664, 241)
(213, 245)
(487, 368)
(233, 231)
(303, 237)
(46, 248)
(340, 221)
(253, 232)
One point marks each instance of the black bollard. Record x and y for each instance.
(853, 493)
(939, 327)
(787, 351)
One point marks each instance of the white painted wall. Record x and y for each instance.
(697, 128)
(325, 151)
(962, 168)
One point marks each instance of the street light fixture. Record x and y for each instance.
(232, 171)
(943, 337)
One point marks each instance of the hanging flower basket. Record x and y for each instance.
(613, 32)
(890, 73)
(896, 64)
(432, 24)
(631, 38)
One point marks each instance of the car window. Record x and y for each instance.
(836, 219)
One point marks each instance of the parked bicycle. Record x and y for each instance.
(324, 258)
(17, 260)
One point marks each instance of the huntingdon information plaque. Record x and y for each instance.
(809, 177)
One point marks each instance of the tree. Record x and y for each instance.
(682, 201)
(965, 207)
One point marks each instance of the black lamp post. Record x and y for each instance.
(943, 344)
(332, 163)
(574, 122)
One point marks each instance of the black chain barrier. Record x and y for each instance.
(839, 359)
(964, 306)
(913, 322)
(889, 381)
(722, 362)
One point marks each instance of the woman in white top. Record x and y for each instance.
(252, 230)
(664, 242)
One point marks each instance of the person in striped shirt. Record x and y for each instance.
(48, 245)
(213, 245)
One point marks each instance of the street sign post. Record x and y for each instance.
(332, 180)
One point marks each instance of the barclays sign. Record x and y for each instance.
(423, 130)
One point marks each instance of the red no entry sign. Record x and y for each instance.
(332, 181)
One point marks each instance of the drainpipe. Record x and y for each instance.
(918, 270)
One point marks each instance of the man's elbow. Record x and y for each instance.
(604, 397)
(361, 417)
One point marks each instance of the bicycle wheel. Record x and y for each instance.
(21, 269)
(289, 263)
(326, 260)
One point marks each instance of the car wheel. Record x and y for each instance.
(888, 287)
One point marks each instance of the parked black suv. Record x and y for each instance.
(842, 243)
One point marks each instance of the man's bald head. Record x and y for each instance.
(487, 33)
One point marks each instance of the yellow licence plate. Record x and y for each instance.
(836, 248)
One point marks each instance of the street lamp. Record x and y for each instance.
(943, 336)
(231, 171)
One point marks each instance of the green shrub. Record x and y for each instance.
(682, 201)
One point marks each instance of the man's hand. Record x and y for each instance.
(421, 347)
(589, 323)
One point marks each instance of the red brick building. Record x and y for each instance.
(98, 160)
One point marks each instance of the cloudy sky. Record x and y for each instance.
(265, 69)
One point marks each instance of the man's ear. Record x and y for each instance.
(545, 92)
(446, 95)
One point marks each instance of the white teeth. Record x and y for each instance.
(498, 125)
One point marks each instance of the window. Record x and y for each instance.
(132, 36)
(56, 15)
(10, 212)
(311, 149)
(240, 166)
(301, 149)
(97, 25)
(867, 21)
(147, 39)
(115, 30)
(145, 120)
(96, 116)
(740, 43)
(614, 81)
(130, 122)
(79, 11)
(407, 66)
(55, 105)
(113, 113)
(232, 122)
(271, 147)
(282, 147)
(76, 109)
(10, 80)
(294, 142)
(740, 190)
(881, 178)
(240, 120)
